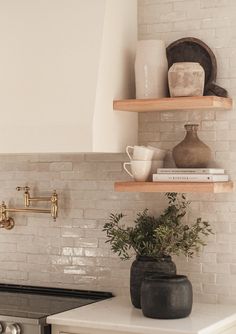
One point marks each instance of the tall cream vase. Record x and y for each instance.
(151, 69)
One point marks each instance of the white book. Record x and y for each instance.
(190, 178)
(190, 170)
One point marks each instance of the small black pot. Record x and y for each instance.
(166, 297)
(144, 265)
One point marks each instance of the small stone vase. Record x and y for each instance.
(191, 152)
(186, 79)
(151, 69)
(166, 297)
(144, 265)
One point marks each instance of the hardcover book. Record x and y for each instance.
(191, 170)
(190, 178)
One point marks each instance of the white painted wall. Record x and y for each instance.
(50, 54)
(114, 130)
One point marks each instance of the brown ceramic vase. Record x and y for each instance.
(191, 152)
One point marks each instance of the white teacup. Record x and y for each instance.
(139, 153)
(140, 170)
(158, 154)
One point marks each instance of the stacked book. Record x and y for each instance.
(190, 175)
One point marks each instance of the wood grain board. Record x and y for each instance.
(191, 49)
(174, 104)
(182, 187)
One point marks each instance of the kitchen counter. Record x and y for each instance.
(119, 316)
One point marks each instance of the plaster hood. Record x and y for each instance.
(62, 63)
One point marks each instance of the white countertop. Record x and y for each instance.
(118, 314)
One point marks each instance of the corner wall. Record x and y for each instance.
(214, 272)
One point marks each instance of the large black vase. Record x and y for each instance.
(166, 297)
(144, 265)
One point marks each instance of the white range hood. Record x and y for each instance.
(62, 62)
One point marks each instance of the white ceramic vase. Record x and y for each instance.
(151, 69)
(186, 79)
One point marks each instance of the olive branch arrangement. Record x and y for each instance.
(158, 237)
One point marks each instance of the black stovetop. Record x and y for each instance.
(39, 302)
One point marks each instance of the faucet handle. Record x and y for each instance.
(25, 189)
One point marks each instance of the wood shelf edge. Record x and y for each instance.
(183, 187)
(174, 104)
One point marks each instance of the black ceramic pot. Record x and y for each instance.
(166, 297)
(144, 265)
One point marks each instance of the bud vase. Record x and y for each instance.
(191, 152)
(151, 69)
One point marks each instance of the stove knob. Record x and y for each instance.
(13, 329)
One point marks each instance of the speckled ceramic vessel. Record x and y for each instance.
(186, 79)
(191, 152)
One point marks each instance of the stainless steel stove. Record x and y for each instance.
(24, 309)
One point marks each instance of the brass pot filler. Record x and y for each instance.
(8, 222)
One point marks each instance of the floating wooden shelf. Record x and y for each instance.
(181, 187)
(174, 104)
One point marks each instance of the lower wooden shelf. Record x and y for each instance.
(181, 187)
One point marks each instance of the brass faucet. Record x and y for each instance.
(8, 222)
(5, 222)
(26, 194)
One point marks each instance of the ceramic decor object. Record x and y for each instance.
(191, 49)
(186, 79)
(191, 152)
(166, 297)
(151, 69)
(139, 169)
(144, 265)
(139, 153)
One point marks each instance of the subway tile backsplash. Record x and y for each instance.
(70, 252)
(213, 273)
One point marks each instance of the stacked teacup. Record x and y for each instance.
(144, 161)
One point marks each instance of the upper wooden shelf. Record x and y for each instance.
(174, 104)
(178, 187)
